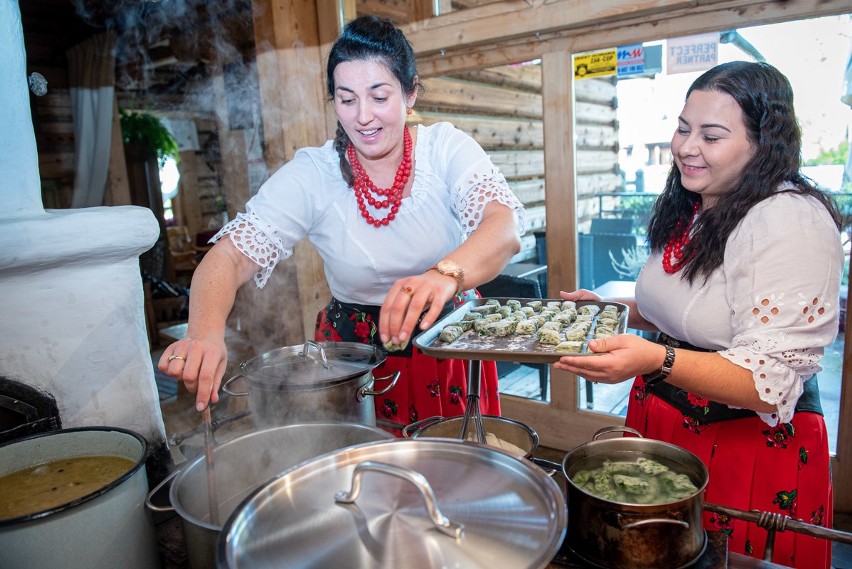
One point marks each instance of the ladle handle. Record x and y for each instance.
(441, 522)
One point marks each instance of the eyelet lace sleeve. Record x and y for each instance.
(478, 190)
(787, 279)
(257, 241)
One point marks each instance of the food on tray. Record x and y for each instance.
(570, 346)
(590, 309)
(528, 326)
(643, 481)
(485, 309)
(451, 333)
(531, 326)
(549, 336)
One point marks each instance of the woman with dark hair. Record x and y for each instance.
(743, 284)
(408, 222)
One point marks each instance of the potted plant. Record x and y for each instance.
(145, 131)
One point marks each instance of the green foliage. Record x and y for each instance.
(639, 208)
(833, 156)
(147, 130)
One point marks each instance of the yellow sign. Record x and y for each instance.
(598, 64)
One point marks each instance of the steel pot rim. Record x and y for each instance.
(627, 442)
(92, 495)
(351, 361)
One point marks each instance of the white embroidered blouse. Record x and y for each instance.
(771, 307)
(454, 179)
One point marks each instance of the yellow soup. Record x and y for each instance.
(53, 484)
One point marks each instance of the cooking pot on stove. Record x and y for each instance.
(241, 465)
(318, 381)
(617, 535)
(510, 435)
(421, 503)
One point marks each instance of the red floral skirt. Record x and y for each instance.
(783, 469)
(427, 387)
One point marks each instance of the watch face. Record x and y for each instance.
(450, 267)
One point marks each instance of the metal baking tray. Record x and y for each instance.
(520, 349)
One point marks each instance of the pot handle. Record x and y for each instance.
(149, 498)
(419, 425)
(640, 523)
(226, 385)
(364, 392)
(616, 429)
(442, 523)
(550, 468)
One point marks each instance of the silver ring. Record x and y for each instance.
(177, 358)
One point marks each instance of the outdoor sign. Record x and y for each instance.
(597, 64)
(692, 53)
(631, 60)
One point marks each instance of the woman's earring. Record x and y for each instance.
(410, 111)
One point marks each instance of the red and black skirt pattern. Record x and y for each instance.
(427, 387)
(783, 469)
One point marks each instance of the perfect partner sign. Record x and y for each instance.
(692, 53)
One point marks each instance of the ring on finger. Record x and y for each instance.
(181, 358)
(408, 290)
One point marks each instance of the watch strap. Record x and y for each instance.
(665, 369)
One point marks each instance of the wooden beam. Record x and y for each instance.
(559, 176)
(623, 30)
(290, 74)
(510, 20)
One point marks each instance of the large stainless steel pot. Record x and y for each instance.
(106, 529)
(241, 465)
(510, 433)
(618, 535)
(318, 381)
(404, 503)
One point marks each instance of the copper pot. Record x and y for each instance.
(617, 535)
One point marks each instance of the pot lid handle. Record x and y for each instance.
(323, 357)
(442, 523)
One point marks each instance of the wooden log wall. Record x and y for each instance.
(501, 107)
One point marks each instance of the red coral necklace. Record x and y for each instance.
(674, 248)
(364, 187)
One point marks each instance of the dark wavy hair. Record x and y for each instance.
(370, 38)
(766, 98)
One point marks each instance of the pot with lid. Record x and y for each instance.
(634, 503)
(317, 381)
(403, 503)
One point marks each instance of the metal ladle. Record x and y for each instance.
(212, 499)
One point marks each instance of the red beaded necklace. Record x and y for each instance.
(674, 248)
(364, 187)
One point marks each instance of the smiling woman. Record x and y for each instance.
(363, 200)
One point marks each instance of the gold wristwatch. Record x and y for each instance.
(451, 269)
